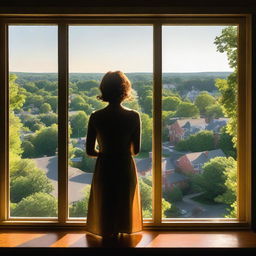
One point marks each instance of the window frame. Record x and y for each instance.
(244, 116)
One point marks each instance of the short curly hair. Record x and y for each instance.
(115, 86)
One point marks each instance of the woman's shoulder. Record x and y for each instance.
(132, 111)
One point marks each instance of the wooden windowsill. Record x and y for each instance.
(145, 239)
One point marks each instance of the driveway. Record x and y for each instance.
(198, 210)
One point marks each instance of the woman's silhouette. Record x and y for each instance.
(114, 203)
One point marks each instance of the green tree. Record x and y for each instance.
(146, 136)
(173, 196)
(45, 141)
(76, 102)
(200, 141)
(170, 103)
(45, 108)
(226, 144)
(227, 43)
(48, 119)
(16, 94)
(187, 109)
(28, 149)
(53, 101)
(79, 123)
(80, 208)
(213, 111)
(30, 87)
(229, 196)
(14, 130)
(36, 205)
(212, 180)
(94, 102)
(34, 181)
(203, 100)
(34, 101)
(147, 105)
(87, 85)
(31, 121)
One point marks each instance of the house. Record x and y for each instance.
(192, 94)
(144, 166)
(173, 180)
(216, 124)
(192, 163)
(170, 178)
(183, 128)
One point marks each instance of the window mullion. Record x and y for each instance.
(4, 121)
(157, 124)
(63, 122)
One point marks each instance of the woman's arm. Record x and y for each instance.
(91, 138)
(136, 137)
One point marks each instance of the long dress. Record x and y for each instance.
(114, 203)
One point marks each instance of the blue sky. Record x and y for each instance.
(126, 48)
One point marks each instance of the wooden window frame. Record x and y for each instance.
(243, 21)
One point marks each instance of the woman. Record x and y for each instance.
(114, 204)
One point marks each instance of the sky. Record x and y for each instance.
(98, 49)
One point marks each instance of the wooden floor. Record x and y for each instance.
(212, 241)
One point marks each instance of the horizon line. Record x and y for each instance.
(180, 72)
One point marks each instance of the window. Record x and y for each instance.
(160, 91)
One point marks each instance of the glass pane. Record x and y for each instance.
(33, 89)
(95, 50)
(199, 106)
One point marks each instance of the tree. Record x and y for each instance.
(31, 121)
(212, 180)
(80, 208)
(48, 119)
(53, 101)
(227, 43)
(30, 87)
(203, 100)
(87, 85)
(76, 102)
(173, 196)
(200, 141)
(34, 181)
(146, 198)
(14, 134)
(79, 123)
(147, 105)
(16, 94)
(37, 205)
(213, 111)
(45, 108)
(146, 136)
(170, 103)
(45, 141)
(34, 101)
(226, 144)
(229, 196)
(187, 109)
(94, 102)
(28, 149)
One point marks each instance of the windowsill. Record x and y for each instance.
(145, 239)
